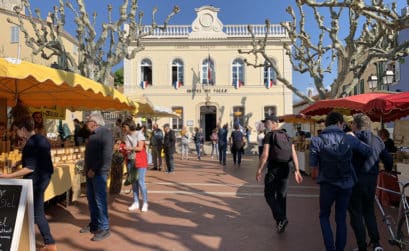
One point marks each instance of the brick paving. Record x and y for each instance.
(202, 206)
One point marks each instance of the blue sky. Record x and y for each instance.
(231, 12)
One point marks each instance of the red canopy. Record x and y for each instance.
(348, 105)
(295, 118)
(388, 108)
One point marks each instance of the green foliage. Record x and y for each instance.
(119, 77)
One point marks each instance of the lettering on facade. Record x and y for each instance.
(236, 46)
(207, 47)
(213, 90)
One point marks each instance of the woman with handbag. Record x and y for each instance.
(131, 139)
(141, 164)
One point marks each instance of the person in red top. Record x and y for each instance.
(141, 163)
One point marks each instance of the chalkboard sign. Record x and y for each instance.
(16, 196)
(9, 202)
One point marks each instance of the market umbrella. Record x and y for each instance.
(347, 106)
(158, 112)
(388, 108)
(295, 118)
(40, 86)
(142, 106)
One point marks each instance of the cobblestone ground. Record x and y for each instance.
(202, 206)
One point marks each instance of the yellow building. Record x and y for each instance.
(196, 71)
(12, 44)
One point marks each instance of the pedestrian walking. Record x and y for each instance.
(98, 157)
(279, 156)
(169, 147)
(197, 138)
(236, 141)
(215, 148)
(156, 144)
(361, 205)
(141, 164)
(184, 134)
(222, 143)
(331, 152)
(37, 166)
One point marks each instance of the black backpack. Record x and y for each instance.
(335, 160)
(280, 147)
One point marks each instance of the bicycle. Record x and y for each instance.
(399, 234)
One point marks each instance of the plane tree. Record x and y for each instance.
(348, 37)
(100, 48)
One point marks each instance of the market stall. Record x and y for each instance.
(301, 141)
(380, 107)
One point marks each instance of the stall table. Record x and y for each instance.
(63, 179)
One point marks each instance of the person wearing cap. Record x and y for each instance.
(276, 178)
(169, 147)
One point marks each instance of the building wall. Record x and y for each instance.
(194, 97)
(18, 48)
(403, 83)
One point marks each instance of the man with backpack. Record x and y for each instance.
(237, 141)
(361, 206)
(331, 152)
(279, 154)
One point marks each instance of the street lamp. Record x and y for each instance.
(388, 78)
(372, 82)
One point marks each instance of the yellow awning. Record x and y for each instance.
(41, 86)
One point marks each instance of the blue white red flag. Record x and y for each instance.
(238, 83)
(144, 84)
(177, 84)
(270, 83)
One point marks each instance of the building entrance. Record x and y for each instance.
(207, 120)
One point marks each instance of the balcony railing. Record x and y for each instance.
(231, 30)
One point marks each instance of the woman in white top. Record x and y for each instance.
(260, 142)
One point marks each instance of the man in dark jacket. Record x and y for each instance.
(222, 137)
(98, 157)
(361, 205)
(335, 190)
(156, 144)
(169, 147)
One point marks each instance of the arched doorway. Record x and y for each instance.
(208, 118)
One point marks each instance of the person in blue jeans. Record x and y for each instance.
(222, 144)
(37, 166)
(361, 206)
(236, 142)
(141, 163)
(98, 158)
(197, 139)
(339, 190)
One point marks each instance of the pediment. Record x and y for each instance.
(207, 24)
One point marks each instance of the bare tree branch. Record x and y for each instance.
(97, 53)
(372, 32)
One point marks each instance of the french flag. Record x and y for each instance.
(270, 83)
(144, 84)
(238, 83)
(177, 84)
